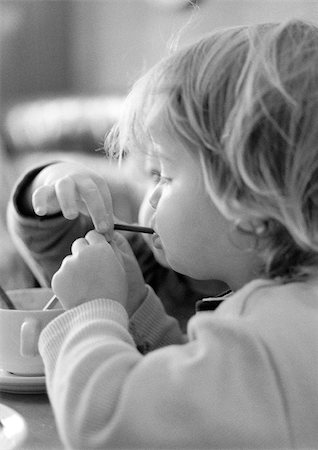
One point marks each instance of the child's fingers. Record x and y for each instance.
(102, 218)
(122, 243)
(44, 200)
(65, 189)
(78, 245)
(93, 237)
(107, 198)
(75, 193)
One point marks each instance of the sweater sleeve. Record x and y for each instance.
(216, 391)
(152, 328)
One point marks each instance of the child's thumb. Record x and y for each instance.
(122, 244)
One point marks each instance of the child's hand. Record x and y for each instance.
(98, 269)
(94, 270)
(137, 291)
(72, 189)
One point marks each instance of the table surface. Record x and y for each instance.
(38, 414)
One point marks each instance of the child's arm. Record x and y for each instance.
(217, 391)
(43, 242)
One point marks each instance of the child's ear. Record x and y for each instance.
(251, 233)
(251, 226)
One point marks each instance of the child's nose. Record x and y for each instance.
(154, 197)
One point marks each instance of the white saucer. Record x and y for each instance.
(13, 428)
(21, 384)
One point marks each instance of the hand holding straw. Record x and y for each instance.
(120, 227)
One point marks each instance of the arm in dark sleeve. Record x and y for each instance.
(43, 242)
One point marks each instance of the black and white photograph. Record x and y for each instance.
(158, 224)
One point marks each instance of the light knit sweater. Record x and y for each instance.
(247, 376)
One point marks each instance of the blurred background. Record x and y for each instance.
(66, 65)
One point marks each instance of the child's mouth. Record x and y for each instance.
(156, 242)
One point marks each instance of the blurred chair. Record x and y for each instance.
(71, 123)
(42, 130)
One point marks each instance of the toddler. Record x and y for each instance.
(231, 121)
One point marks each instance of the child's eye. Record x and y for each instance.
(155, 176)
(165, 180)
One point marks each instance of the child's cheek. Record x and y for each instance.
(145, 212)
(167, 221)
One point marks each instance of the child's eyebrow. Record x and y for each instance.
(160, 152)
(159, 146)
(167, 158)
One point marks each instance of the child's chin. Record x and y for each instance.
(158, 253)
(160, 257)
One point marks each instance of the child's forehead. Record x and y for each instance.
(154, 114)
(151, 161)
(161, 153)
(163, 139)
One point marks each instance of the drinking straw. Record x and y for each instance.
(136, 228)
(51, 303)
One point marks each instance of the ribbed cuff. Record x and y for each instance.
(55, 332)
(151, 327)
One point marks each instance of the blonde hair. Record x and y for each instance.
(245, 100)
